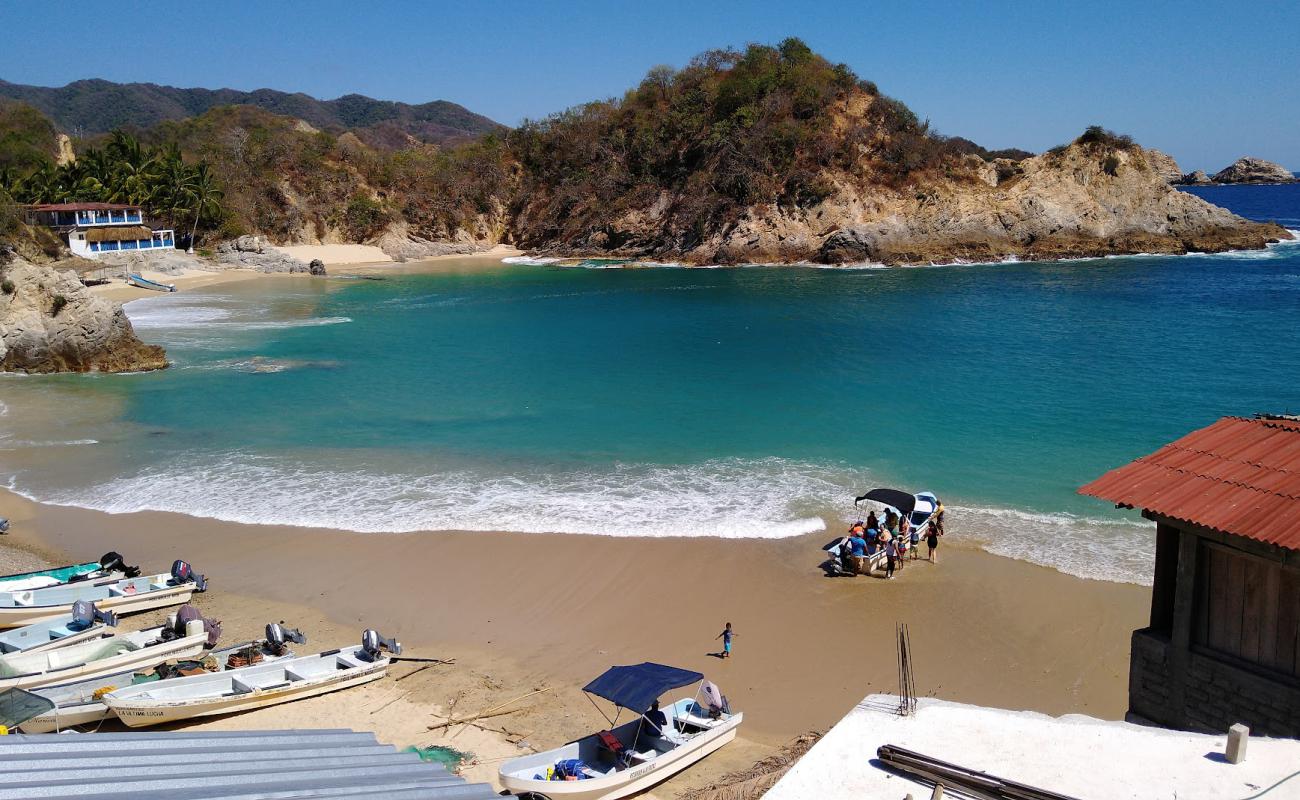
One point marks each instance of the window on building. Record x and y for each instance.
(1248, 607)
(109, 246)
(94, 247)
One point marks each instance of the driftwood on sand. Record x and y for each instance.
(494, 711)
(754, 782)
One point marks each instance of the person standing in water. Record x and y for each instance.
(932, 534)
(725, 636)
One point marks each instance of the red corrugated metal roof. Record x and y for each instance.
(81, 207)
(1239, 476)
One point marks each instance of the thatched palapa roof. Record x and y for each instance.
(119, 233)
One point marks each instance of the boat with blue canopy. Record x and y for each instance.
(653, 745)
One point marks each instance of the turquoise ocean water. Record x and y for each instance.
(743, 402)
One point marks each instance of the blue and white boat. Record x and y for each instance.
(631, 757)
(919, 508)
(84, 623)
(144, 283)
(109, 566)
(126, 596)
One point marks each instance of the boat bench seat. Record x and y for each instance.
(349, 662)
(293, 676)
(240, 687)
(23, 599)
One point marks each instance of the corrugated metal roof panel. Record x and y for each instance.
(1239, 476)
(236, 765)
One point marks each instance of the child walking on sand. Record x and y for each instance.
(725, 636)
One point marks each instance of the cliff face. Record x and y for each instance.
(49, 322)
(1086, 200)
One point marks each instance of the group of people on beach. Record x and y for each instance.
(896, 536)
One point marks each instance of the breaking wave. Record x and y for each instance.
(768, 498)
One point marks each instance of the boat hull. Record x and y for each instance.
(181, 648)
(142, 712)
(93, 632)
(16, 616)
(77, 704)
(61, 719)
(631, 781)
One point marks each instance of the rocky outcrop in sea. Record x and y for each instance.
(1254, 170)
(49, 322)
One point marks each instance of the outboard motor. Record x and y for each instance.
(182, 572)
(84, 614)
(277, 636)
(178, 623)
(113, 560)
(372, 643)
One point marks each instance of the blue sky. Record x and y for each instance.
(1205, 81)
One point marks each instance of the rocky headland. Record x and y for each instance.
(49, 322)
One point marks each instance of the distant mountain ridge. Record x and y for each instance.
(96, 106)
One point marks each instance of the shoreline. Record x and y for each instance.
(1031, 637)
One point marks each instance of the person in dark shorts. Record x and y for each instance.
(725, 636)
(932, 534)
(891, 558)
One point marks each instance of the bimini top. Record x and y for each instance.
(903, 501)
(636, 686)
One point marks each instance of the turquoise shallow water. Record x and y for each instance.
(725, 402)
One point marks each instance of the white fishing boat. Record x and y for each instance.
(919, 508)
(114, 654)
(109, 567)
(637, 754)
(84, 623)
(82, 702)
(248, 688)
(125, 596)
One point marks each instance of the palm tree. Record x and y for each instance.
(207, 197)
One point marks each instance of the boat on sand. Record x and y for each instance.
(633, 756)
(135, 279)
(82, 702)
(109, 566)
(125, 596)
(267, 684)
(100, 657)
(84, 623)
(918, 508)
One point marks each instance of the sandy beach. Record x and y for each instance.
(520, 612)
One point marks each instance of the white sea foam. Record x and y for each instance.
(733, 499)
(529, 260)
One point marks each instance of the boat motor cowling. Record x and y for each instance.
(178, 625)
(112, 560)
(277, 635)
(372, 643)
(182, 572)
(85, 614)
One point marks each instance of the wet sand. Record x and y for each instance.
(534, 609)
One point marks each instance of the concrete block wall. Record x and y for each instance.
(1215, 694)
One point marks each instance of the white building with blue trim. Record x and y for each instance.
(94, 228)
